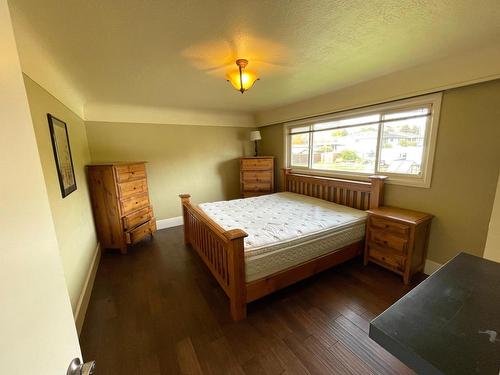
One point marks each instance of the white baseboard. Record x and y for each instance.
(83, 301)
(169, 223)
(431, 266)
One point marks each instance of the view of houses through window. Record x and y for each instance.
(386, 142)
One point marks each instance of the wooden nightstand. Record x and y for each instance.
(397, 239)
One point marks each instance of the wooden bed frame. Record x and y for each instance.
(223, 251)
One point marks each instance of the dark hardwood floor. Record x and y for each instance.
(157, 310)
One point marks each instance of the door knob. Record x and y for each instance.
(76, 367)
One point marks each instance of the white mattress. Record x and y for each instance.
(286, 229)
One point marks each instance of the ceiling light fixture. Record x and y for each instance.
(242, 79)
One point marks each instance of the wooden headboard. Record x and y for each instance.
(357, 194)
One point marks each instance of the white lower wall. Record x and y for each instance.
(169, 223)
(83, 301)
(492, 248)
(431, 267)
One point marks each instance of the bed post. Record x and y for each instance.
(284, 175)
(237, 282)
(377, 193)
(185, 200)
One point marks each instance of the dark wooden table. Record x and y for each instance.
(450, 323)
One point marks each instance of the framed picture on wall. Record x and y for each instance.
(62, 155)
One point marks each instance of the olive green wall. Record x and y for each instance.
(466, 167)
(72, 215)
(200, 160)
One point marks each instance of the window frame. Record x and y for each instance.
(429, 146)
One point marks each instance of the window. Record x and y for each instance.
(395, 139)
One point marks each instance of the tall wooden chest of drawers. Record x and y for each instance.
(256, 176)
(120, 201)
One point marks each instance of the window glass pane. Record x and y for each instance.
(407, 113)
(300, 149)
(300, 129)
(402, 146)
(347, 121)
(348, 149)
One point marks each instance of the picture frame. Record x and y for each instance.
(62, 155)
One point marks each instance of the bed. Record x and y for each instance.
(255, 246)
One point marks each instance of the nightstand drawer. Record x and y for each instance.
(253, 164)
(396, 228)
(385, 239)
(386, 257)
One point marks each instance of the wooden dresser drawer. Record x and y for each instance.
(131, 204)
(391, 226)
(137, 234)
(138, 217)
(260, 176)
(257, 186)
(386, 257)
(386, 239)
(255, 164)
(130, 172)
(129, 188)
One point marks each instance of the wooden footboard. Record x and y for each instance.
(220, 250)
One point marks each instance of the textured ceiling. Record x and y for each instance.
(176, 53)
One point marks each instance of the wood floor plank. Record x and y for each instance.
(353, 363)
(288, 360)
(270, 363)
(158, 311)
(225, 355)
(359, 343)
(325, 356)
(253, 367)
(187, 359)
(311, 361)
(360, 321)
(375, 352)
(208, 355)
(325, 336)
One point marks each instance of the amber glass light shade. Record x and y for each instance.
(242, 79)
